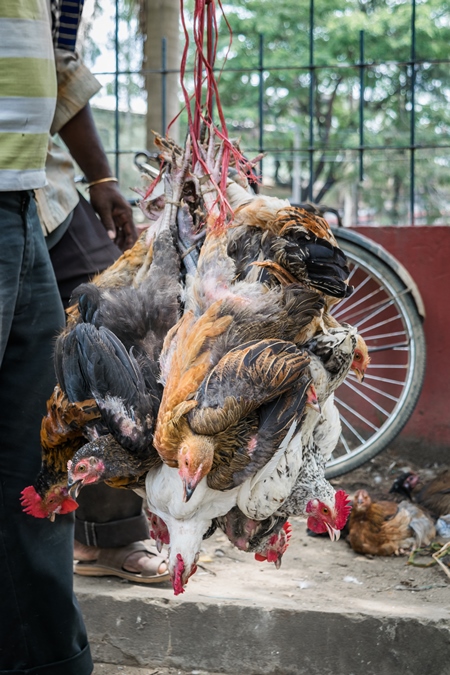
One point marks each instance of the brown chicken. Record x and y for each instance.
(269, 243)
(64, 429)
(386, 528)
(433, 495)
(218, 347)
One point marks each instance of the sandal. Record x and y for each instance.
(110, 563)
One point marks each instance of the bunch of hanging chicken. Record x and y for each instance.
(199, 370)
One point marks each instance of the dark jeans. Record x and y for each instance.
(106, 517)
(41, 628)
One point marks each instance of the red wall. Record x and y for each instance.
(425, 252)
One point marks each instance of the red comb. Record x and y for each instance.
(67, 506)
(32, 503)
(177, 580)
(343, 507)
(158, 528)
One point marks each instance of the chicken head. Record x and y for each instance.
(311, 399)
(179, 576)
(56, 501)
(275, 548)
(361, 359)
(329, 518)
(195, 458)
(86, 471)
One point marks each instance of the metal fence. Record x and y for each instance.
(357, 153)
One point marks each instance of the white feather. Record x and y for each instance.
(328, 429)
(262, 495)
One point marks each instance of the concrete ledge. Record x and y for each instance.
(240, 639)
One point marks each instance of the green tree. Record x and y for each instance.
(336, 50)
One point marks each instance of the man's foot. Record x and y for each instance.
(135, 562)
(84, 553)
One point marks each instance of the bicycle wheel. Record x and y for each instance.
(374, 412)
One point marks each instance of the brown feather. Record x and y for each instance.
(62, 434)
(282, 275)
(310, 220)
(386, 528)
(189, 366)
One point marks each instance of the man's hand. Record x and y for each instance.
(115, 213)
(81, 137)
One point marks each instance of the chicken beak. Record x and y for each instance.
(190, 482)
(74, 489)
(51, 517)
(311, 399)
(359, 374)
(315, 406)
(335, 534)
(189, 487)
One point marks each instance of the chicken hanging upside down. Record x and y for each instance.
(232, 388)
(220, 370)
(241, 391)
(64, 429)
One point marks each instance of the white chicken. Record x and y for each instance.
(186, 522)
(265, 493)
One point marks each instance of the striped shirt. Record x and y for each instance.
(27, 92)
(66, 15)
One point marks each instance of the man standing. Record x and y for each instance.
(41, 628)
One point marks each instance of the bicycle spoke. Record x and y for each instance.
(352, 272)
(358, 302)
(384, 379)
(385, 335)
(356, 414)
(342, 302)
(374, 313)
(358, 288)
(345, 444)
(349, 426)
(369, 386)
(385, 302)
(383, 348)
(376, 325)
(387, 365)
(355, 292)
(368, 399)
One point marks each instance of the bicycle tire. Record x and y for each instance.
(397, 292)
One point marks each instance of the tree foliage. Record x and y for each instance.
(332, 90)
